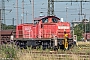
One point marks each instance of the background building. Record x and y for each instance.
(76, 22)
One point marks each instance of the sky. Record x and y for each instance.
(42, 6)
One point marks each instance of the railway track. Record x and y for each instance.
(80, 52)
(36, 55)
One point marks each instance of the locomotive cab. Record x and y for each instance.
(50, 20)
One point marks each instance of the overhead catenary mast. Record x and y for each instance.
(32, 10)
(3, 11)
(23, 10)
(50, 7)
(0, 25)
(26, 16)
(17, 13)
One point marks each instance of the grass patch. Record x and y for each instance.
(7, 52)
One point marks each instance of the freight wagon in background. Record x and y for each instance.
(87, 35)
(6, 34)
(46, 31)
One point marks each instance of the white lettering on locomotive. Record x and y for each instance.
(63, 27)
(27, 28)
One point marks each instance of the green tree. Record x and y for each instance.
(78, 31)
(10, 27)
(5, 27)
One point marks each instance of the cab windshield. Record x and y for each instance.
(54, 20)
(45, 20)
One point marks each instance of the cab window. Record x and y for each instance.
(54, 20)
(36, 21)
(45, 20)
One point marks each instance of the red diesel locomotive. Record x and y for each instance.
(46, 31)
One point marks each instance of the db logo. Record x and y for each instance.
(27, 28)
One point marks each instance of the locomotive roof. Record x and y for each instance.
(39, 18)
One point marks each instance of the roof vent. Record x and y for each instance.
(61, 19)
